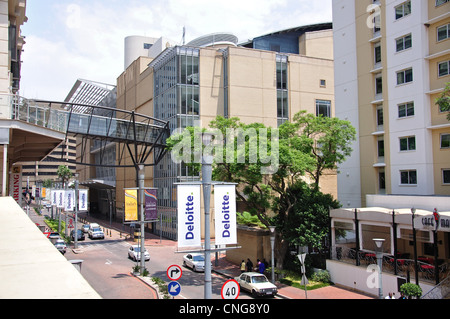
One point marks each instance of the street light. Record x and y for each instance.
(416, 270)
(379, 253)
(75, 234)
(206, 183)
(272, 244)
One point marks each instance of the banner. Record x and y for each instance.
(188, 198)
(60, 198)
(225, 213)
(131, 204)
(82, 200)
(69, 200)
(151, 204)
(15, 184)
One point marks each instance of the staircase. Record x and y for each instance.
(441, 291)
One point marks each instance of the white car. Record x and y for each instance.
(257, 284)
(134, 252)
(61, 246)
(96, 233)
(194, 261)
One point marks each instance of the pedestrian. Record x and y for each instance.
(389, 296)
(249, 265)
(243, 265)
(261, 267)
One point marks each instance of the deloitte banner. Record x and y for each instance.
(225, 210)
(188, 198)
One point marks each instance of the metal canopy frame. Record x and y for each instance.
(139, 134)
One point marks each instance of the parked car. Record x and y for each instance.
(194, 261)
(79, 237)
(85, 228)
(54, 237)
(61, 246)
(257, 284)
(95, 233)
(134, 252)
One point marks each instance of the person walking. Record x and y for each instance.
(243, 266)
(249, 265)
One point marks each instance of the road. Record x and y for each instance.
(107, 268)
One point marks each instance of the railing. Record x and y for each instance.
(404, 265)
(38, 114)
(441, 291)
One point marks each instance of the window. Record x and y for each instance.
(446, 176)
(443, 68)
(406, 109)
(443, 32)
(445, 140)
(377, 23)
(381, 180)
(408, 143)
(408, 177)
(323, 83)
(323, 108)
(378, 85)
(380, 117)
(403, 10)
(403, 43)
(282, 91)
(404, 76)
(381, 147)
(439, 2)
(377, 53)
(147, 46)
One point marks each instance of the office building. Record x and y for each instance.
(190, 85)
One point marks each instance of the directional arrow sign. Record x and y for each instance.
(174, 272)
(174, 288)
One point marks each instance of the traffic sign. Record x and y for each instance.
(70, 223)
(230, 289)
(174, 272)
(174, 288)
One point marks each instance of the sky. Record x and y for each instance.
(68, 40)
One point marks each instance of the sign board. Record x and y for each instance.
(188, 198)
(82, 200)
(69, 200)
(230, 289)
(174, 272)
(60, 198)
(225, 213)
(131, 204)
(174, 288)
(151, 204)
(16, 184)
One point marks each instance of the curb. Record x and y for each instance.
(149, 283)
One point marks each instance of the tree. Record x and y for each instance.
(443, 101)
(64, 173)
(269, 166)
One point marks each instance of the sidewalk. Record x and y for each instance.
(118, 231)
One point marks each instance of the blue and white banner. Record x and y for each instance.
(69, 200)
(82, 200)
(225, 210)
(189, 225)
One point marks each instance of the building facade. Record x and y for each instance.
(391, 63)
(190, 85)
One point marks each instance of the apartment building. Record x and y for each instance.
(190, 85)
(391, 63)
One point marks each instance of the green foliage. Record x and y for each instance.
(322, 276)
(64, 173)
(248, 219)
(411, 290)
(443, 101)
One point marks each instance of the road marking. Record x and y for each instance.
(108, 262)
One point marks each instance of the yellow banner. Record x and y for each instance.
(131, 205)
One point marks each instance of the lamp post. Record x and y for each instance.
(379, 253)
(141, 180)
(416, 269)
(75, 234)
(206, 183)
(272, 244)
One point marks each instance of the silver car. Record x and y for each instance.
(194, 261)
(94, 233)
(257, 284)
(134, 252)
(61, 246)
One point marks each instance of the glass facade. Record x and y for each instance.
(282, 89)
(176, 100)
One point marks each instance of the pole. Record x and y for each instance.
(206, 182)
(380, 274)
(75, 234)
(416, 268)
(141, 209)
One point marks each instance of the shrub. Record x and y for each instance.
(322, 276)
(411, 290)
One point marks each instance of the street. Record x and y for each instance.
(107, 268)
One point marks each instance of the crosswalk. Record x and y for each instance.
(92, 245)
